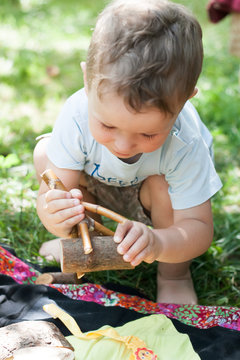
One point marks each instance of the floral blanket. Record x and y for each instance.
(202, 317)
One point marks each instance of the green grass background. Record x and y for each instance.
(36, 35)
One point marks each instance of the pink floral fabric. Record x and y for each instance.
(196, 315)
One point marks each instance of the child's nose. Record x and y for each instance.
(123, 143)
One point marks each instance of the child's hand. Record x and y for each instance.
(137, 242)
(63, 210)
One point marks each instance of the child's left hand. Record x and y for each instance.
(137, 242)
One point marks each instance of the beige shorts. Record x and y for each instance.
(123, 200)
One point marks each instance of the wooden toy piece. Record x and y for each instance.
(103, 257)
(57, 278)
(54, 183)
(84, 254)
(103, 211)
(27, 335)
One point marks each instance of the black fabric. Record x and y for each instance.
(17, 301)
(216, 343)
(24, 302)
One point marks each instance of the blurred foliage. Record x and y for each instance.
(42, 45)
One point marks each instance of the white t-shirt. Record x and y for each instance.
(185, 157)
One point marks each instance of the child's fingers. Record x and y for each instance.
(136, 248)
(69, 223)
(57, 194)
(122, 230)
(136, 255)
(61, 204)
(140, 257)
(68, 213)
(133, 235)
(76, 193)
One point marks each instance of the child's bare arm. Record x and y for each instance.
(189, 236)
(59, 210)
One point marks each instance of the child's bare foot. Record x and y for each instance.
(178, 290)
(50, 250)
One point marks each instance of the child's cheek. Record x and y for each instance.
(98, 133)
(102, 138)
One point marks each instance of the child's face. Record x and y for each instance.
(123, 132)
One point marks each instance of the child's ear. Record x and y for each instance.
(195, 91)
(83, 67)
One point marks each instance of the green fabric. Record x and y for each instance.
(157, 331)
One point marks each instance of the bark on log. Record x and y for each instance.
(103, 257)
(57, 278)
(30, 333)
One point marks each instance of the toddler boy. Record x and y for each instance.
(131, 141)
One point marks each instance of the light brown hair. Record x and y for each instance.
(148, 51)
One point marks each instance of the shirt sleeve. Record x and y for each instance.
(66, 146)
(191, 175)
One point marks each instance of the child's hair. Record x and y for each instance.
(147, 51)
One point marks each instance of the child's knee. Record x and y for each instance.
(40, 156)
(157, 183)
(154, 188)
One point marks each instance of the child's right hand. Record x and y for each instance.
(62, 210)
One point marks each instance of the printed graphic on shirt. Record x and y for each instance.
(112, 180)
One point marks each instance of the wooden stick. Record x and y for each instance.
(52, 180)
(80, 229)
(102, 229)
(84, 233)
(54, 183)
(103, 211)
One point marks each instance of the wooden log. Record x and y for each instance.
(42, 352)
(30, 333)
(57, 278)
(103, 257)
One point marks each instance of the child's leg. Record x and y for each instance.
(51, 249)
(174, 282)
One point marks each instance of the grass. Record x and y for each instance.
(42, 44)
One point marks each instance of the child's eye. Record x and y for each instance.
(106, 127)
(148, 136)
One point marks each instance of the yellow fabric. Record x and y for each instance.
(149, 338)
(131, 342)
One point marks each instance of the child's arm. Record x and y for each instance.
(189, 236)
(59, 210)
